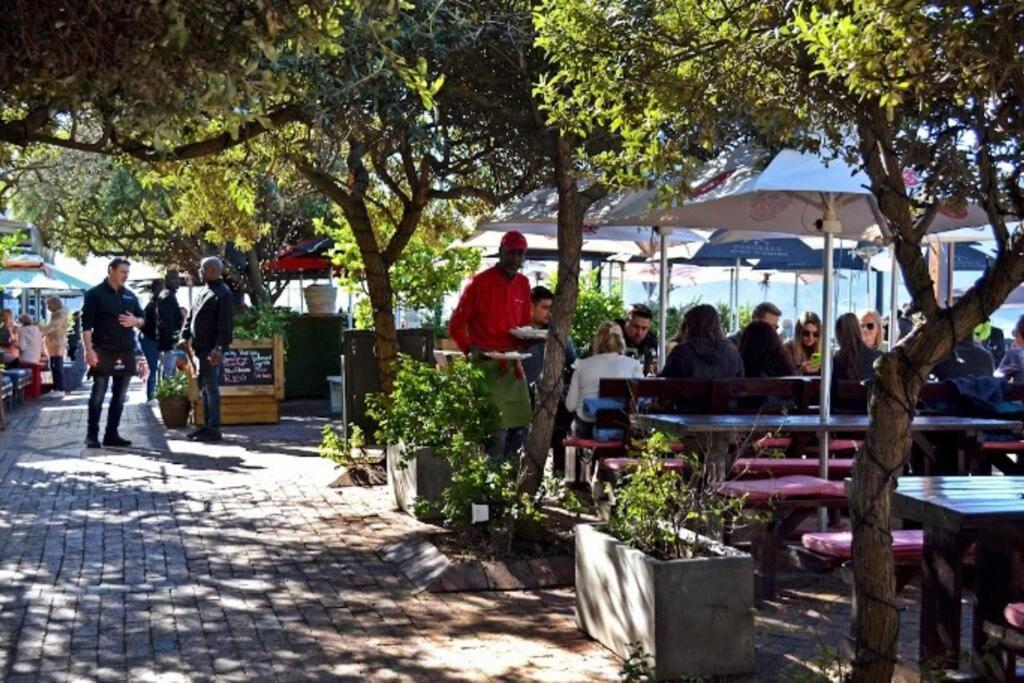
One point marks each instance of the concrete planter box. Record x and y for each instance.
(693, 617)
(419, 474)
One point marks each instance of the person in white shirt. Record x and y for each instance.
(607, 361)
(30, 342)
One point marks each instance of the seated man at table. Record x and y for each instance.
(967, 360)
(541, 299)
(641, 343)
(765, 311)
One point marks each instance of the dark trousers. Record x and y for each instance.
(209, 389)
(99, 390)
(57, 368)
(152, 354)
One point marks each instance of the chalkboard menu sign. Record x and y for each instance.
(247, 367)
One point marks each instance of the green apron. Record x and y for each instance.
(509, 392)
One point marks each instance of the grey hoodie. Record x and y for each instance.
(703, 359)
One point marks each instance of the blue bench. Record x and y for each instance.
(20, 379)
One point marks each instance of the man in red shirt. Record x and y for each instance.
(494, 302)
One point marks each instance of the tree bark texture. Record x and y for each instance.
(899, 375)
(352, 201)
(572, 205)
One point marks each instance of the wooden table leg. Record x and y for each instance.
(994, 578)
(766, 544)
(941, 590)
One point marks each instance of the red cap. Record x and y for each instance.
(513, 241)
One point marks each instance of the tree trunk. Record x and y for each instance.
(378, 285)
(571, 208)
(253, 277)
(875, 470)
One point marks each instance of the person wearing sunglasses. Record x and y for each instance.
(805, 346)
(871, 330)
(855, 359)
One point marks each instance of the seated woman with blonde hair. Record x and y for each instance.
(607, 361)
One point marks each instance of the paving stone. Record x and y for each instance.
(175, 561)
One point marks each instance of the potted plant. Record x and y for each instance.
(434, 417)
(172, 397)
(654, 579)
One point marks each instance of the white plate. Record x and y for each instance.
(507, 355)
(529, 333)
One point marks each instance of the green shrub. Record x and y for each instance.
(593, 307)
(175, 386)
(349, 451)
(449, 409)
(263, 322)
(656, 504)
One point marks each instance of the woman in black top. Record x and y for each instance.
(703, 352)
(854, 360)
(763, 352)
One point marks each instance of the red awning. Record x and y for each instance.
(298, 264)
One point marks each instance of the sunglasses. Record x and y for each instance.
(867, 326)
(810, 333)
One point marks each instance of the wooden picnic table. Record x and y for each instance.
(969, 430)
(955, 512)
(690, 424)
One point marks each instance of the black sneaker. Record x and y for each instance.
(92, 442)
(209, 436)
(116, 441)
(196, 434)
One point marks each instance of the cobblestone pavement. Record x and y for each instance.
(178, 561)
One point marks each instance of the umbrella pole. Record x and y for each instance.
(351, 313)
(950, 259)
(300, 293)
(796, 297)
(663, 296)
(831, 227)
(894, 280)
(736, 299)
(622, 281)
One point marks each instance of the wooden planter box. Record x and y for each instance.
(252, 384)
(693, 617)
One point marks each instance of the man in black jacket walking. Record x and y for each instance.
(208, 330)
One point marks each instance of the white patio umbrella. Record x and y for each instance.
(790, 193)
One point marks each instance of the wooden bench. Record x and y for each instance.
(823, 553)
(787, 501)
(611, 470)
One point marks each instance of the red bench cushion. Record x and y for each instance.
(784, 488)
(1003, 447)
(1014, 614)
(907, 544)
(750, 467)
(571, 441)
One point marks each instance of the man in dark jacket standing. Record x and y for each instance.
(208, 331)
(110, 316)
(148, 340)
(168, 322)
